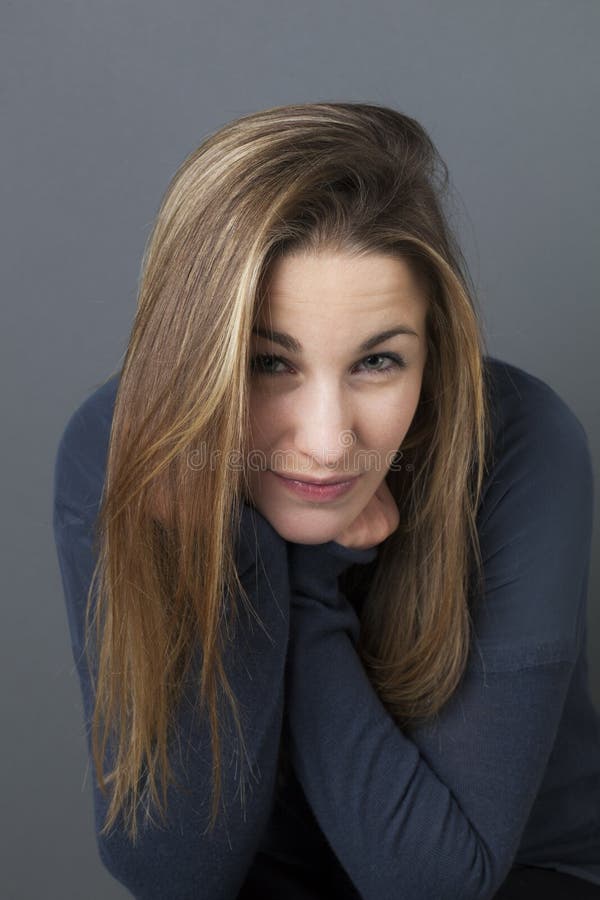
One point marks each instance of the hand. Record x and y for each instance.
(379, 518)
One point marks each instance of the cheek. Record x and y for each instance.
(263, 417)
(384, 431)
(384, 425)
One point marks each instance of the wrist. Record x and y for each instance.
(349, 556)
(315, 568)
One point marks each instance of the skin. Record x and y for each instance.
(330, 410)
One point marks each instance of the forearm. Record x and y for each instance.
(438, 818)
(363, 778)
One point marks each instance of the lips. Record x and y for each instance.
(315, 492)
(317, 481)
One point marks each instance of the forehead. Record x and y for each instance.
(341, 286)
(331, 271)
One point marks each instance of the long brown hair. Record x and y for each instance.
(350, 177)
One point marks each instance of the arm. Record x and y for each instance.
(439, 814)
(180, 861)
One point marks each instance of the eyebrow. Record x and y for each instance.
(293, 346)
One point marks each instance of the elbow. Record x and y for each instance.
(150, 868)
(130, 866)
(155, 872)
(480, 878)
(474, 876)
(179, 862)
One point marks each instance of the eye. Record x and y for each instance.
(396, 362)
(264, 364)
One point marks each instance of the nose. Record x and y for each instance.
(323, 427)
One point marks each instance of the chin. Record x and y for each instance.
(290, 529)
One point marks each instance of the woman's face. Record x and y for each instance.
(327, 400)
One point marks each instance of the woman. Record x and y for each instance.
(394, 665)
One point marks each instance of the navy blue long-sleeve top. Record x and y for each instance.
(509, 770)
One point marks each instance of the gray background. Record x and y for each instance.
(100, 104)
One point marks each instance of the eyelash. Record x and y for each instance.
(398, 362)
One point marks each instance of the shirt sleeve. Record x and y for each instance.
(438, 813)
(181, 861)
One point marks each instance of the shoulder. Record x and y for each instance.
(535, 435)
(534, 522)
(80, 461)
